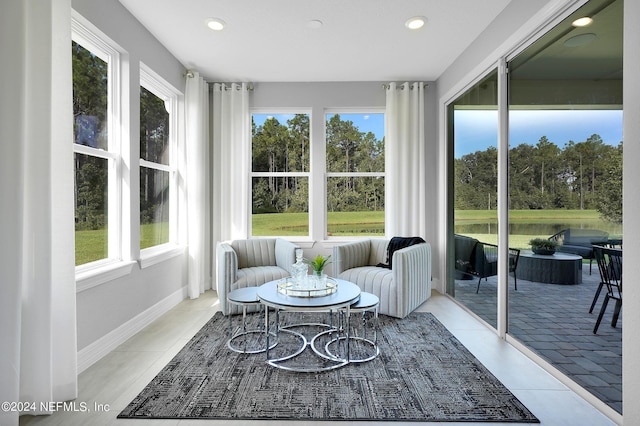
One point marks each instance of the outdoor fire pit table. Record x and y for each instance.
(558, 268)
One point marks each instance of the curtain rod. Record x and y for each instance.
(191, 74)
(386, 86)
(225, 87)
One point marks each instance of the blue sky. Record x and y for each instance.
(476, 130)
(261, 118)
(366, 122)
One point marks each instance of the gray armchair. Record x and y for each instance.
(251, 263)
(400, 289)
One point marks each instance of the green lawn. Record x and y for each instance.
(296, 224)
(480, 224)
(524, 224)
(92, 245)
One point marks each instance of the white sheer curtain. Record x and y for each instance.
(197, 147)
(37, 274)
(405, 160)
(231, 140)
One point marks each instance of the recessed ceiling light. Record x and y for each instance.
(216, 24)
(415, 23)
(582, 22)
(314, 24)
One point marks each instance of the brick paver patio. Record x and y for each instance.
(554, 321)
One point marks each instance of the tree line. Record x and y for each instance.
(582, 175)
(279, 147)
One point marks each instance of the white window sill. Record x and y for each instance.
(304, 243)
(336, 241)
(154, 255)
(100, 273)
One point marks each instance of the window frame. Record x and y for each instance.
(158, 86)
(308, 174)
(327, 175)
(100, 46)
(317, 174)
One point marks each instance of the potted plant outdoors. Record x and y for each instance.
(543, 246)
(317, 264)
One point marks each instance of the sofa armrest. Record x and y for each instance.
(285, 254)
(412, 274)
(227, 267)
(351, 255)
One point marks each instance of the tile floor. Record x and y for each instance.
(116, 379)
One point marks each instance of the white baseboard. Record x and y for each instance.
(92, 353)
(437, 284)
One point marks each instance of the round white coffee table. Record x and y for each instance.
(346, 294)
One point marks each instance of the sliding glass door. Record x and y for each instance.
(564, 172)
(473, 136)
(565, 185)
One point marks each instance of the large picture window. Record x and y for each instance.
(355, 174)
(280, 169)
(284, 162)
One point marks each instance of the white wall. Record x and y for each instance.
(116, 22)
(107, 307)
(631, 206)
(514, 24)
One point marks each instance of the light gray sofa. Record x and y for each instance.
(400, 289)
(251, 263)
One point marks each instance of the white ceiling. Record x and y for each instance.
(361, 40)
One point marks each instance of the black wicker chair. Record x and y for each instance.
(478, 259)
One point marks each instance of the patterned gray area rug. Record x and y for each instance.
(423, 373)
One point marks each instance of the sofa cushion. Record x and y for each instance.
(378, 251)
(255, 252)
(584, 237)
(580, 250)
(258, 275)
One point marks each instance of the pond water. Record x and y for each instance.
(548, 228)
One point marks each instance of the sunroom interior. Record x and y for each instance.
(95, 307)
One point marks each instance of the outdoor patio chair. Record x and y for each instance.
(486, 264)
(610, 267)
(477, 259)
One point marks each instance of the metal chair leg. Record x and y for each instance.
(595, 298)
(616, 313)
(604, 308)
